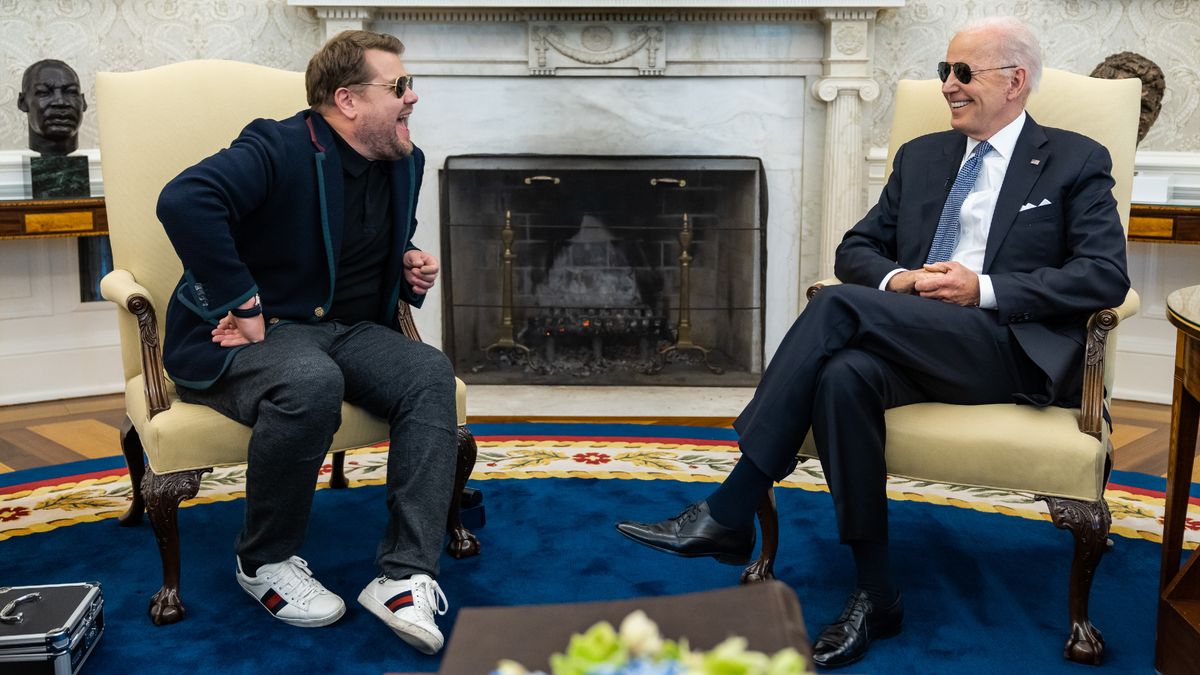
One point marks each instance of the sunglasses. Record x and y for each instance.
(400, 86)
(962, 72)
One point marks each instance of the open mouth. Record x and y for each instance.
(955, 105)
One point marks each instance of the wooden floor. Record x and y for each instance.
(44, 434)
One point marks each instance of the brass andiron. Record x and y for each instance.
(683, 339)
(504, 335)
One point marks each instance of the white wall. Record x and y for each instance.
(51, 346)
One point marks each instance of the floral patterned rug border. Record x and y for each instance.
(70, 501)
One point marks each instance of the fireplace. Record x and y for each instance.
(572, 269)
(783, 81)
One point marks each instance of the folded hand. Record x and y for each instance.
(949, 282)
(420, 270)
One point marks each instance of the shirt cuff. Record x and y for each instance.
(987, 294)
(883, 284)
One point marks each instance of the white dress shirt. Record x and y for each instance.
(975, 218)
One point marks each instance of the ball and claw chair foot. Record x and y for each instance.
(1086, 645)
(462, 544)
(166, 607)
(758, 571)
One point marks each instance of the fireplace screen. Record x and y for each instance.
(604, 270)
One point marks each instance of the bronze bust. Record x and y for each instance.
(52, 99)
(1154, 84)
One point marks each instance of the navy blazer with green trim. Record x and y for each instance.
(265, 216)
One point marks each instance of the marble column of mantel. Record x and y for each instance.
(845, 83)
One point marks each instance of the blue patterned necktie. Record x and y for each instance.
(946, 237)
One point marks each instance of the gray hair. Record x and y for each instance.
(1019, 46)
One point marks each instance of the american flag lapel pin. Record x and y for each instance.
(1035, 162)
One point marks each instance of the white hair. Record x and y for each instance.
(1018, 45)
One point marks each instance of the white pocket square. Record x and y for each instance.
(1030, 205)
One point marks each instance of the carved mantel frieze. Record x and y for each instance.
(608, 47)
(849, 39)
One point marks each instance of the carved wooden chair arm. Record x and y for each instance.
(812, 290)
(121, 288)
(1091, 418)
(407, 326)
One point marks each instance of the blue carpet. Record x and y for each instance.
(984, 593)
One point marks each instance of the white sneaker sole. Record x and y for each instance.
(302, 623)
(414, 634)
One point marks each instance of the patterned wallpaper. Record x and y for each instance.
(123, 35)
(96, 35)
(1076, 35)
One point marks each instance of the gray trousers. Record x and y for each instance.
(289, 388)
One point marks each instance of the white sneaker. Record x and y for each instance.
(407, 606)
(288, 590)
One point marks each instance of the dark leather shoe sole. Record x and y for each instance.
(889, 633)
(723, 557)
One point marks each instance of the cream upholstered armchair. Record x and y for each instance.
(1059, 455)
(154, 124)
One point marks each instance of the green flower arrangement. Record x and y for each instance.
(639, 649)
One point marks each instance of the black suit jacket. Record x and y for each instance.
(1051, 266)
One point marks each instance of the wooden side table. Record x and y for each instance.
(39, 218)
(1174, 224)
(1177, 646)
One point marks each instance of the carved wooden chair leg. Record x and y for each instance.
(337, 477)
(131, 444)
(163, 495)
(764, 568)
(463, 544)
(1089, 522)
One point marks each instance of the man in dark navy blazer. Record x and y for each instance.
(969, 282)
(296, 243)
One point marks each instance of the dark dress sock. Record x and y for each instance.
(735, 501)
(874, 573)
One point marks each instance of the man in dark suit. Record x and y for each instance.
(970, 282)
(296, 243)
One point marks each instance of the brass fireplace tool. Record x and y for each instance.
(504, 334)
(683, 339)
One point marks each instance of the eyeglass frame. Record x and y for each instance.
(406, 80)
(963, 74)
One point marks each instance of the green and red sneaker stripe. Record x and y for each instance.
(273, 601)
(399, 602)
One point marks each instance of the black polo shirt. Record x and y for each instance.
(366, 237)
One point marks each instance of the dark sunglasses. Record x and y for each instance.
(962, 72)
(401, 85)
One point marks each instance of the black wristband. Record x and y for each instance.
(249, 312)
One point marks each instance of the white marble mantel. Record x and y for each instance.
(782, 80)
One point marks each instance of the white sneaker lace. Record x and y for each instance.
(428, 597)
(294, 581)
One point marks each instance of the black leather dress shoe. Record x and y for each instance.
(846, 640)
(693, 534)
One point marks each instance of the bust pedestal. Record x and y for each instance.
(59, 177)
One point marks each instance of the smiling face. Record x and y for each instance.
(991, 99)
(380, 127)
(54, 103)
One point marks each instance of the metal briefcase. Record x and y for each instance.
(49, 629)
